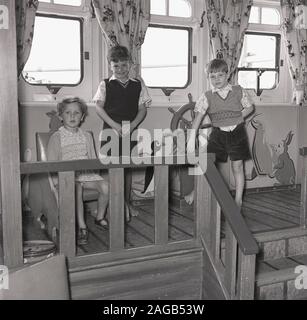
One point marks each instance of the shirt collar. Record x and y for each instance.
(113, 78)
(225, 89)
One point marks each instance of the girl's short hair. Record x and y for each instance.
(217, 65)
(118, 53)
(83, 106)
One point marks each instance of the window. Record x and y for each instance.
(264, 15)
(172, 8)
(258, 68)
(170, 65)
(65, 2)
(55, 57)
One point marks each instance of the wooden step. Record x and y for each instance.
(277, 244)
(275, 279)
(282, 243)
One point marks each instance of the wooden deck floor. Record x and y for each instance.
(263, 211)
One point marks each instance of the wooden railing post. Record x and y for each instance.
(215, 228)
(161, 204)
(67, 214)
(230, 262)
(10, 196)
(303, 208)
(117, 209)
(246, 276)
(202, 208)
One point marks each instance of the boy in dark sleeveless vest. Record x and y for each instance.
(227, 107)
(120, 99)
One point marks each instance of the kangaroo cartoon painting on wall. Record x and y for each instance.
(284, 170)
(272, 160)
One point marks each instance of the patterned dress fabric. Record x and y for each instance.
(73, 146)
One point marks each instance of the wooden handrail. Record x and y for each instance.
(246, 242)
(95, 164)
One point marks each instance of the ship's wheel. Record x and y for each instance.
(183, 119)
(184, 116)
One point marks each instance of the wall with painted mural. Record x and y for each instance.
(273, 135)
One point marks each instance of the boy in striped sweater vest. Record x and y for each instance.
(227, 107)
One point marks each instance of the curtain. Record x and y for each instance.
(124, 22)
(25, 17)
(294, 34)
(227, 23)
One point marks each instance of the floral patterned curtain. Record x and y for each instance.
(124, 22)
(25, 17)
(295, 35)
(227, 23)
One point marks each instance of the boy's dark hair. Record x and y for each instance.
(119, 53)
(83, 106)
(217, 65)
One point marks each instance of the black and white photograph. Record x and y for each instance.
(153, 154)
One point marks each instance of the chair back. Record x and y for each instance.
(42, 139)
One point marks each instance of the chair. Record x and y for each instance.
(45, 280)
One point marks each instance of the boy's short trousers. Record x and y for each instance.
(233, 144)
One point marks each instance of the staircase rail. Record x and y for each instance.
(235, 262)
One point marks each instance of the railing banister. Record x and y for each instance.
(161, 204)
(232, 214)
(117, 209)
(67, 240)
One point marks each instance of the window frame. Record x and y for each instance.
(169, 89)
(261, 70)
(167, 15)
(266, 6)
(55, 87)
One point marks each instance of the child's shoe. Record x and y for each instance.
(82, 236)
(101, 223)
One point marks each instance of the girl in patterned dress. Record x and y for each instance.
(70, 142)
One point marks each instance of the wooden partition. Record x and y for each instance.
(66, 169)
(232, 259)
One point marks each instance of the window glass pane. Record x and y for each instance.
(253, 53)
(247, 79)
(66, 2)
(168, 66)
(55, 53)
(270, 16)
(179, 8)
(158, 7)
(268, 80)
(254, 15)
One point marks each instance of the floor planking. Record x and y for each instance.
(263, 211)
